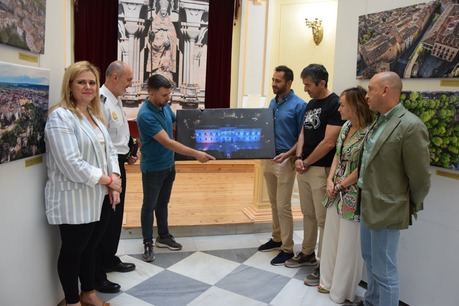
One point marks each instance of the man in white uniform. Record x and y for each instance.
(118, 77)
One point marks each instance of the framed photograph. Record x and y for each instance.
(228, 133)
(167, 37)
(23, 24)
(417, 41)
(439, 110)
(24, 98)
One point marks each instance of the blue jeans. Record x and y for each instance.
(157, 187)
(379, 251)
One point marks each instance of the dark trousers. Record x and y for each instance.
(77, 257)
(108, 246)
(157, 187)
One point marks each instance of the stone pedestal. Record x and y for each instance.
(260, 210)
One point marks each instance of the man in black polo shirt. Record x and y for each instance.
(314, 154)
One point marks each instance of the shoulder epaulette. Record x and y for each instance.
(103, 98)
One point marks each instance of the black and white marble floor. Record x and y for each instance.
(213, 270)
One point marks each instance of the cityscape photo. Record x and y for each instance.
(417, 41)
(24, 98)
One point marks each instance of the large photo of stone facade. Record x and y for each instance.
(22, 24)
(167, 37)
(417, 41)
(24, 98)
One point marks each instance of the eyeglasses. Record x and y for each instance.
(90, 83)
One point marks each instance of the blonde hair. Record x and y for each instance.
(68, 101)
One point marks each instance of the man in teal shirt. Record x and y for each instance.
(155, 121)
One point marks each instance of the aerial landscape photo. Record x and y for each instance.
(22, 24)
(24, 96)
(417, 41)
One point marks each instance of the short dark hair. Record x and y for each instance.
(288, 73)
(156, 81)
(316, 72)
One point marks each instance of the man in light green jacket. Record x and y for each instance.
(394, 179)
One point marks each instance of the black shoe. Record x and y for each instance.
(107, 286)
(270, 245)
(281, 258)
(148, 254)
(121, 267)
(360, 303)
(168, 242)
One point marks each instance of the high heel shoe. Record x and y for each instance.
(83, 303)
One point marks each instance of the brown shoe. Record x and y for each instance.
(301, 260)
(86, 299)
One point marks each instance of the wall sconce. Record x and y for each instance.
(317, 29)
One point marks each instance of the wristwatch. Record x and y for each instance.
(298, 157)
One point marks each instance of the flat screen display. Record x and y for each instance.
(228, 133)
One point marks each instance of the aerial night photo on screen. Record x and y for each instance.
(228, 133)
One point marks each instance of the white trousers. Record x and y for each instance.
(341, 263)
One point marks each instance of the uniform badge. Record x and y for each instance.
(114, 116)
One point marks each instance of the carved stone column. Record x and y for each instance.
(133, 24)
(192, 30)
(254, 63)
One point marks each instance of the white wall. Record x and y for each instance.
(429, 268)
(428, 250)
(29, 245)
(292, 40)
(271, 33)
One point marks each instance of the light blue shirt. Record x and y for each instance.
(374, 133)
(288, 118)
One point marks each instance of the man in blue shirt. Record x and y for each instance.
(155, 121)
(279, 172)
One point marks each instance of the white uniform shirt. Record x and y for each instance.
(118, 127)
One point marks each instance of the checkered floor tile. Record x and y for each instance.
(209, 276)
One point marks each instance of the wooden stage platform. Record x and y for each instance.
(215, 193)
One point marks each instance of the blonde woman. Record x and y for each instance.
(83, 177)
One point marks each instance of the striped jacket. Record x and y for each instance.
(74, 161)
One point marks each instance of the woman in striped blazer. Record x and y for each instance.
(83, 174)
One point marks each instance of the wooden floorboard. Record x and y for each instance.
(203, 194)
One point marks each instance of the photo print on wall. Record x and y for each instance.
(417, 41)
(167, 37)
(22, 24)
(440, 113)
(24, 98)
(228, 133)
